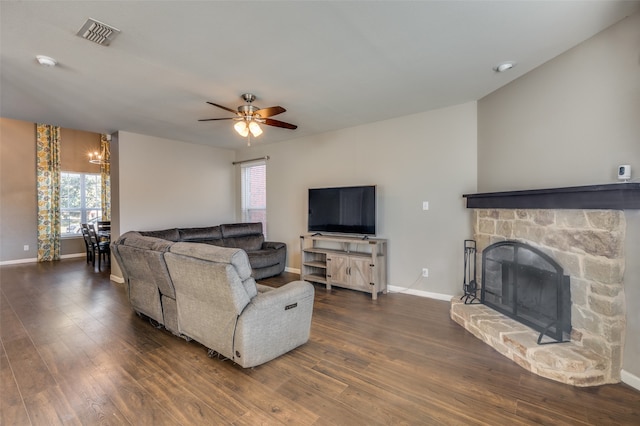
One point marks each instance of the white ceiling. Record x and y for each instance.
(331, 64)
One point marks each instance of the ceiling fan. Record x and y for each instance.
(249, 117)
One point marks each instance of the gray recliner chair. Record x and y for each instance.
(220, 305)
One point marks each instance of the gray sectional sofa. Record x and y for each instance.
(267, 258)
(206, 293)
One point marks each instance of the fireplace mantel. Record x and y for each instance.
(615, 196)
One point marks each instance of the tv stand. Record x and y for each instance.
(357, 263)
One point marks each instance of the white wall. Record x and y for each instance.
(571, 122)
(162, 183)
(429, 156)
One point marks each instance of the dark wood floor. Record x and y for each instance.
(74, 353)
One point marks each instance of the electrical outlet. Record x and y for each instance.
(26, 247)
(425, 205)
(425, 272)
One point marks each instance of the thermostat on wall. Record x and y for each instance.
(624, 172)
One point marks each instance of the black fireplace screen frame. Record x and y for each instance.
(555, 328)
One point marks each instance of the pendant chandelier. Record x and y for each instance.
(104, 155)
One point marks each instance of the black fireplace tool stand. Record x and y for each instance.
(470, 285)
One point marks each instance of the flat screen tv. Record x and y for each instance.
(344, 210)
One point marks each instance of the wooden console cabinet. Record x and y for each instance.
(349, 262)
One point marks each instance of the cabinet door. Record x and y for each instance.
(337, 269)
(360, 273)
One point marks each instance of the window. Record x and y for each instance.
(79, 201)
(254, 193)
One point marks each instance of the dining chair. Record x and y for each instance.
(88, 243)
(100, 248)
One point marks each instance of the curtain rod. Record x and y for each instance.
(249, 161)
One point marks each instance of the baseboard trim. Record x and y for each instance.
(71, 256)
(421, 293)
(396, 289)
(116, 279)
(35, 259)
(630, 379)
(18, 261)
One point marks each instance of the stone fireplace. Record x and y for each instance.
(588, 243)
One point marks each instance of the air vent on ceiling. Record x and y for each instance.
(98, 32)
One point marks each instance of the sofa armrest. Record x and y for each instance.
(273, 323)
(273, 245)
(274, 305)
(264, 288)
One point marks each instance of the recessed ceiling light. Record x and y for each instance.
(504, 66)
(46, 61)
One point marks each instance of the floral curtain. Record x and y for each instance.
(105, 172)
(48, 191)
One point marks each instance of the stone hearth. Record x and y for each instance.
(589, 245)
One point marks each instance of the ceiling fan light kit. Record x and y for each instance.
(241, 128)
(255, 129)
(249, 117)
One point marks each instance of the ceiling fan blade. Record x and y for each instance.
(270, 112)
(223, 107)
(277, 123)
(215, 119)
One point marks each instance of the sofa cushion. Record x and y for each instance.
(238, 258)
(247, 243)
(231, 230)
(219, 243)
(263, 258)
(136, 239)
(165, 234)
(200, 234)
